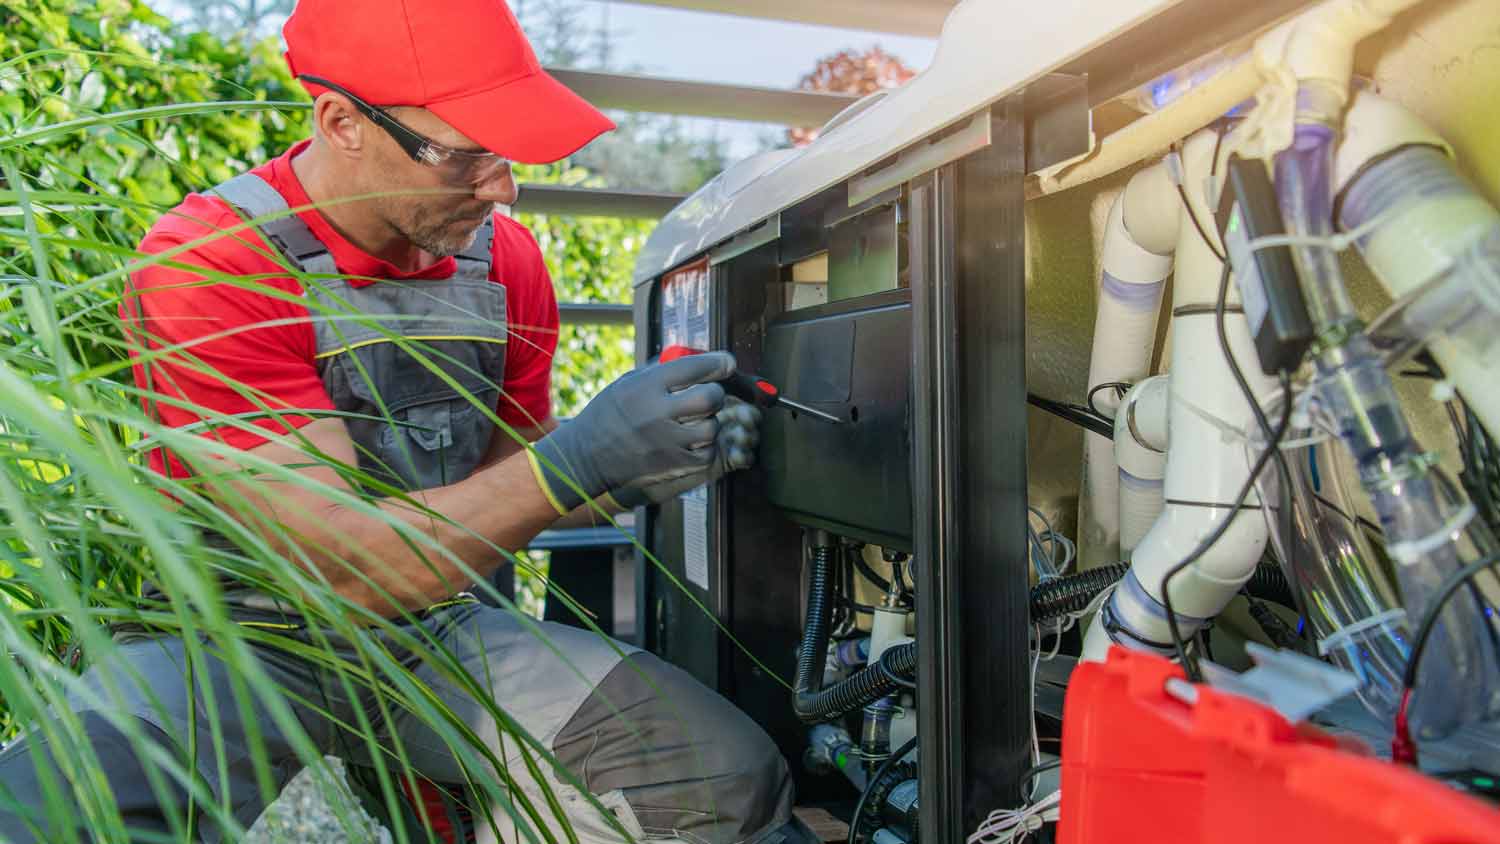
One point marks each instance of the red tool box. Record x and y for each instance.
(1142, 765)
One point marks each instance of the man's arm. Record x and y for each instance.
(503, 445)
(657, 424)
(501, 502)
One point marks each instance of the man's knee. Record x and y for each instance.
(46, 788)
(686, 759)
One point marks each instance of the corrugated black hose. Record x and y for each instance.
(812, 702)
(1072, 593)
(1062, 596)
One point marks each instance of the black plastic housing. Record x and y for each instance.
(851, 359)
(1270, 290)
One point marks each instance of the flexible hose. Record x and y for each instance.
(815, 631)
(814, 704)
(1269, 583)
(1062, 596)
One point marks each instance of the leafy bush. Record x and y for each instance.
(107, 118)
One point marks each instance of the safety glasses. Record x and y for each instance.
(457, 166)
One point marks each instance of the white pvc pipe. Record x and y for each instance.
(1320, 46)
(1316, 45)
(1141, 453)
(1206, 456)
(1136, 260)
(1422, 234)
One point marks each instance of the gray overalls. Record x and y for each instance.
(669, 758)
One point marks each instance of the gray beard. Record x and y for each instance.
(439, 248)
(437, 243)
(438, 240)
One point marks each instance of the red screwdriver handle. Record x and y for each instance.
(742, 385)
(675, 352)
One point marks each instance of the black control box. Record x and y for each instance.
(1267, 276)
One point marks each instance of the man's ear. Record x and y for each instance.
(340, 123)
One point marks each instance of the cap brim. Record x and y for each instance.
(532, 120)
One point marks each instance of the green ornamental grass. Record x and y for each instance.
(107, 118)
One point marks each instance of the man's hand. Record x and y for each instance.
(650, 426)
(739, 434)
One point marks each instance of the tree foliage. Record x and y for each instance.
(108, 116)
(119, 55)
(851, 72)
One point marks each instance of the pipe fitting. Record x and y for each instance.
(1141, 453)
(1204, 471)
(1132, 276)
(1320, 45)
(813, 703)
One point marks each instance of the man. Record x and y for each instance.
(416, 308)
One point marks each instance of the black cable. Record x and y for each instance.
(1481, 472)
(1037, 770)
(1451, 584)
(891, 674)
(856, 832)
(1239, 502)
(1187, 207)
(1278, 631)
(870, 574)
(1080, 416)
(1122, 387)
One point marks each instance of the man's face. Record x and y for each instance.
(436, 208)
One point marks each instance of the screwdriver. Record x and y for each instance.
(751, 388)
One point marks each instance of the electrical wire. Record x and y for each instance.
(856, 832)
(1039, 769)
(1272, 451)
(1045, 548)
(1272, 446)
(1080, 416)
(1121, 388)
(870, 574)
(1007, 826)
(1188, 206)
(1403, 747)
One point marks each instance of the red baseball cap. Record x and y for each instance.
(466, 61)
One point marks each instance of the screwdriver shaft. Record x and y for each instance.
(811, 411)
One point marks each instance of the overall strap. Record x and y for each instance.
(254, 198)
(473, 264)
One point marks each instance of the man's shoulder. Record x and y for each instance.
(511, 235)
(197, 217)
(205, 232)
(516, 256)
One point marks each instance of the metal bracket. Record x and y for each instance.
(768, 231)
(1059, 123)
(950, 145)
(1292, 684)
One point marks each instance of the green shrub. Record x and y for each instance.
(107, 118)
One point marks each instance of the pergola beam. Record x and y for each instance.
(900, 17)
(593, 202)
(630, 92)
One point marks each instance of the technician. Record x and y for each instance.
(419, 107)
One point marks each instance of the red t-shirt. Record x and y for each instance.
(265, 340)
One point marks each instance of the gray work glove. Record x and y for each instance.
(651, 425)
(739, 434)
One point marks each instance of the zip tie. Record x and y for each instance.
(1230, 431)
(1336, 639)
(1338, 242)
(1306, 442)
(1409, 552)
(1174, 167)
